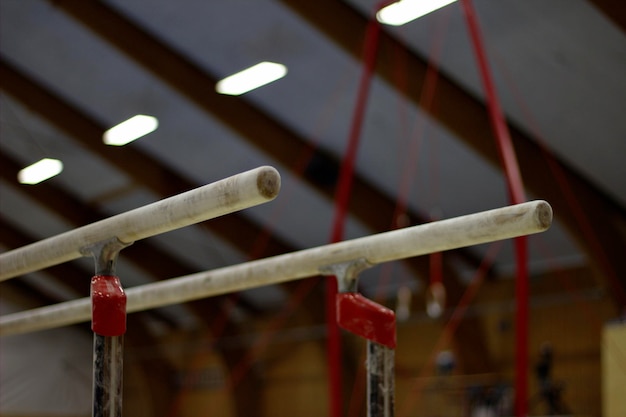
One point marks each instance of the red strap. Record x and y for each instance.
(108, 306)
(342, 199)
(366, 318)
(516, 195)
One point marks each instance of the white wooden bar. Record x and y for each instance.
(231, 194)
(488, 226)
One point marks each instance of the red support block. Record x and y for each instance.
(108, 306)
(366, 318)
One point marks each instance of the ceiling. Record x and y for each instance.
(72, 69)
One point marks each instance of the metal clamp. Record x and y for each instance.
(105, 254)
(109, 324)
(347, 273)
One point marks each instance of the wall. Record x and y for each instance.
(614, 369)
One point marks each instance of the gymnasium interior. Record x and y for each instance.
(374, 126)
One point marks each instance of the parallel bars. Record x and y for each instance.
(473, 229)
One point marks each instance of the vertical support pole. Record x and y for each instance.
(380, 380)
(515, 188)
(522, 294)
(108, 322)
(375, 323)
(107, 375)
(342, 197)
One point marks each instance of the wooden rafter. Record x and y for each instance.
(198, 86)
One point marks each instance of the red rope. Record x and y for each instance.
(521, 329)
(496, 117)
(416, 135)
(589, 315)
(558, 173)
(573, 202)
(515, 190)
(516, 196)
(342, 198)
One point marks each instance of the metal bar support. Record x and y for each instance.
(109, 325)
(380, 380)
(108, 362)
(376, 324)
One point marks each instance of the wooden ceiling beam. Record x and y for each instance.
(234, 228)
(139, 166)
(577, 203)
(198, 86)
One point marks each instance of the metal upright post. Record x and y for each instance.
(108, 302)
(380, 380)
(375, 323)
(108, 352)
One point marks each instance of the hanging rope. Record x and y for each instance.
(515, 190)
(342, 198)
(416, 135)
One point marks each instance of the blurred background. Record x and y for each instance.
(71, 70)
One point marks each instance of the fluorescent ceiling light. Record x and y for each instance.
(40, 171)
(251, 78)
(130, 130)
(404, 11)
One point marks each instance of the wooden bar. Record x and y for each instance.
(473, 229)
(213, 200)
